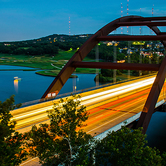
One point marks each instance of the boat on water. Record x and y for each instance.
(17, 79)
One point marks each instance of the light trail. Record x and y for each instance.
(102, 104)
(113, 103)
(115, 109)
(97, 97)
(117, 91)
(112, 114)
(38, 111)
(94, 129)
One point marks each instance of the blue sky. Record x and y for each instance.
(30, 19)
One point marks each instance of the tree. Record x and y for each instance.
(126, 147)
(63, 141)
(12, 152)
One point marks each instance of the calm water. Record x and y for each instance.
(156, 133)
(32, 87)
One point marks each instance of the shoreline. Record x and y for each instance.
(35, 69)
(42, 70)
(18, 69)
(72, 76)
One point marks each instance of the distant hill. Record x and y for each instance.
(55, 38)
(65, 38)
(52, 44)
(59, 38)
(49, 45)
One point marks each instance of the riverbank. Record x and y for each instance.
(32, 86)
(48, 65)
(52, 73)
(18, 69)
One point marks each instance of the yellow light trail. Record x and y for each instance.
(117, 91)
(36, 114)
(95, 97)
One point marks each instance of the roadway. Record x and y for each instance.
(107, 106)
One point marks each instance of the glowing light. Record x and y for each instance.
(119, 90)
(16, 85)
(93, 98)
(109, 44)
(121, 61)
(70, 49)
(138, 43)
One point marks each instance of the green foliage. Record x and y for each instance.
(106, 75)
(109, 72)
(12, 152)
(163, 158)
(136, 72)
(63, 141)
(126, 147)
(49, 45)
(30, 49)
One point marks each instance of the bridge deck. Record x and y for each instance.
(107, 106)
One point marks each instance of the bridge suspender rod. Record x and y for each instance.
(120, 66)
(132, 38)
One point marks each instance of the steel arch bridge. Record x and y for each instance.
(102, 35)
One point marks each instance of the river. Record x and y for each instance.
(32, 87)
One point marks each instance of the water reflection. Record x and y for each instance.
(16, 85)
(32, 86)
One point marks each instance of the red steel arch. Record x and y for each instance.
(101, 35)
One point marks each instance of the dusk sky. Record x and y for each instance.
(31, 19)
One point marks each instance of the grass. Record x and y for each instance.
(86, 70)
(51, 73)
(51, 65)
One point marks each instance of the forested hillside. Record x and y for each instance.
(49, 45)
(62, 47)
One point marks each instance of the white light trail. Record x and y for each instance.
(94, 97)
(121, 90)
